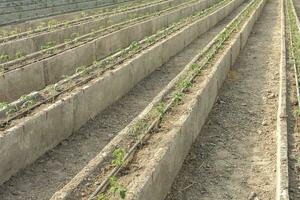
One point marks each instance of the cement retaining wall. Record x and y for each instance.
(32, 136)
(34, 43)
(21, 81)
(282, 164)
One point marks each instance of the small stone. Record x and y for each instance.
(88, 184)
(41, 161)
(15, 193)
(252, 196)
(271, 96)
(244, 104)
(110, 135)
(264, 123)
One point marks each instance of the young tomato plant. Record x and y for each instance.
(118, 155)
(4, 58)
(3, 105)
(28, 100)
(177, 97)
(116, 188)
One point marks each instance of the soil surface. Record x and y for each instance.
(48, 174)
(234, 156)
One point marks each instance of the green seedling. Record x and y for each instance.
(116, 188)
(80, 69)
(148, 40)
(298, 160)
(3, 105)
(118, 155)
(28, 100)
(186, 84)
(11, 109)
(55, 88)
(66, 24)
(139, 128)
(101, 197)
(177, 97)
(48, 45)
(160, 110)
(134, 45)
(19, 54)
(40, 27)
(194, 66)
(74, 35)
(51, 23)
(297, 112)
(8, 107)
(124, 51)
(4, 58)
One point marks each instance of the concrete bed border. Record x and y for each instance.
(282, 171)
(31, 136)
(21, 81)
(33, 43)
(156, 182)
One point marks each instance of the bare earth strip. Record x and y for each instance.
(235, 155)
(40, 180)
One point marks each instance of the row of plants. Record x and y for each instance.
(85, 74)
(53, 24)
(7, 109)
(175, 96)
(293, 35)
(52, 47)
(293, 59)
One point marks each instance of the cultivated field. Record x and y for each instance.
(149, 99)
